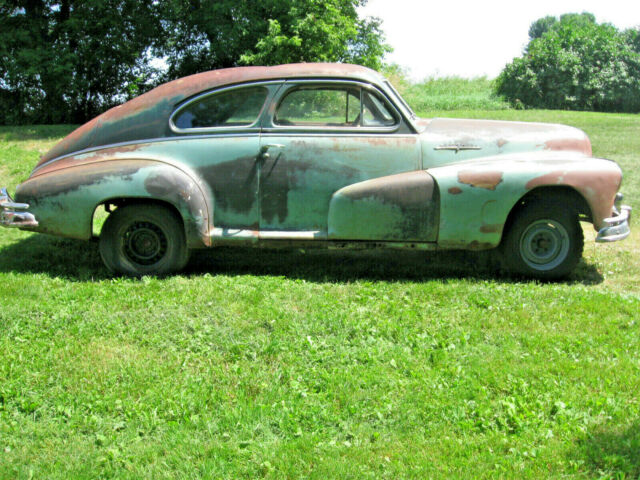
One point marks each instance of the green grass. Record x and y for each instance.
(450, 93)
(276, 364)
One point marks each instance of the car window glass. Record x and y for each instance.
(320, 106)
(375, 113)
(230, 108)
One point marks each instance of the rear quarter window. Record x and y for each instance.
(239, 107)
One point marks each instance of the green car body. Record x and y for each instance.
(377, 177)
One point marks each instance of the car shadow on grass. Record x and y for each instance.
(80, 261)
(610, 452)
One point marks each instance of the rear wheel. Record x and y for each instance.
(544, 241)
(143, 240)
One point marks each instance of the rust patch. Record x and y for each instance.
(475, 245)
(70, 180)
(582, 145)
(597, 188)
(501, 142)
(480, 179)
(455, 190)
(98, 156)
(79, 139)
(492, 228)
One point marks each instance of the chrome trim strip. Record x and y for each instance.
(245, 234)
(617, 227)
(457, 148)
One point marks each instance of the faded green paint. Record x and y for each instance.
(473, 216)
(300, 177)
(442, 181)
(64, 201)
(403, 207)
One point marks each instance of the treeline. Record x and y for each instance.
(67, 61)
(575, 63)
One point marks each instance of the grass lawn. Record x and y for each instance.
(269, 364)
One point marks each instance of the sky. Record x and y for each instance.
(476, 38)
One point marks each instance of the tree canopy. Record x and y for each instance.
(227, 33)
(577, 64)
(64, 61)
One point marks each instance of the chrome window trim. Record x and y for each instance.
(199, 97)
(294, 83)
(399, 98)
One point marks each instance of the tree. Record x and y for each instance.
(575, 64)
(228, 33)
(65, 61)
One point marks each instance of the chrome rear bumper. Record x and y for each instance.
(14, 215)
(617, 226)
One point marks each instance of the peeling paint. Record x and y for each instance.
(492, 228)
(455, 190)
(597, 188)
(480, 179)
(582, 145)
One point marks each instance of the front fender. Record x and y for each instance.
(64, 200)
(477, 196)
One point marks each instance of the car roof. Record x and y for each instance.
(146, 116)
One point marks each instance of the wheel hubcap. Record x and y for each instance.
(144, 243)
(544, 244)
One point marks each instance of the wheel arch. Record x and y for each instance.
(569, 196)
(119, 202)
(66, 200)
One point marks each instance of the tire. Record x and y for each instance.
(544, 241)
(141, 240)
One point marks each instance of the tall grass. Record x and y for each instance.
(448, 93)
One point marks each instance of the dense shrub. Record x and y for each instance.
(576, 64)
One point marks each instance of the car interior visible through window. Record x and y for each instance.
(230, 108)
(329, 106)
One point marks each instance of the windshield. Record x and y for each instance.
(400, 100)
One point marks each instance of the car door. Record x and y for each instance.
(320, 137)
(221, 143)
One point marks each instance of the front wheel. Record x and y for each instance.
(141, 240)
(544, 241)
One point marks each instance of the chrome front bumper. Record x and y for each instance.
(617, 226)
(14, 215)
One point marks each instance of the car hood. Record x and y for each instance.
(447, 140)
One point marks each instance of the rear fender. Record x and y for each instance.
(64, 200)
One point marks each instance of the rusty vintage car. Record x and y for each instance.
(316, 154)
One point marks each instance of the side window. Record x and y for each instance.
(320, 106)
(231, 108)
(375, 113)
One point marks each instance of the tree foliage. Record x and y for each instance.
(64, 61)
(226, 33)
(577, 64)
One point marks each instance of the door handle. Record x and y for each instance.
(264, 150)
